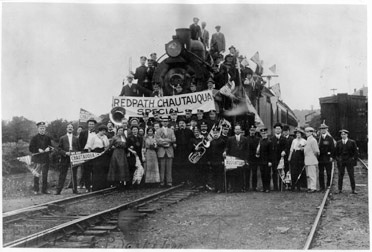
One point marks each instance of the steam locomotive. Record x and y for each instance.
(189, 62)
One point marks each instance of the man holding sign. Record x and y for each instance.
(67, 143)
(237, 146)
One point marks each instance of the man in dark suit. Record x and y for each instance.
(237, 146)
(218, 41)
(221, 76)
(215, 159)
(253, 142)
(327, 151)
(279, 144)
(288, 138)
(182, 152)
(346, 155)
(205, 35)
(84, 137)
(67, 143)
(131, 88)
(195, 29)
(41, 146)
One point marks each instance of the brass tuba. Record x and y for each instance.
(116, 115)
(199, 150)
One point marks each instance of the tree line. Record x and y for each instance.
(21, 128)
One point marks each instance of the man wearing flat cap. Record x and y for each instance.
(173, 123)
(346, 156)
(218, 41)
(311, 152)
(195, 29)
(40, 145)
(327, 152)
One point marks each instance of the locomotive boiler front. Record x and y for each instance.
(185, 64)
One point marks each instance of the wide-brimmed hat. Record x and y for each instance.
(299, 130)
(130, 76)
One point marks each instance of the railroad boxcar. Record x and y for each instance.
(343, 111)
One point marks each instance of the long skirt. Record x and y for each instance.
(119, 169)
(297, 164)
(151, 167)
(100, 169)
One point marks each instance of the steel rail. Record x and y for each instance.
(42, 236)
(13, 213)
(319, 215)
(363, 163)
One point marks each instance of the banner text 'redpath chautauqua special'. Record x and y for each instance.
(135, 106)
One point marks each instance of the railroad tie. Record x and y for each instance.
(95, 232)
(81, 238)
(107, 227)
(73, 245)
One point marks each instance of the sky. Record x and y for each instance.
(60, 57)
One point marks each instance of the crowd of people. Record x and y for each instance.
(163, 145)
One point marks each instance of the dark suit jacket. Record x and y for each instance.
(239, 150)
(130, 91)
(347, 152)
(195, 31)
(64, 146)
(326, 148)
(83, 138)
(278, 146)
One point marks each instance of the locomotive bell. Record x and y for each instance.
(116, 115)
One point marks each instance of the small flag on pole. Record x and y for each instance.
(30, 165)
(273, 68)
(256, 59)
(86, 115)
(276, 90)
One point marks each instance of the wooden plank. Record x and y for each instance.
(73, 245)
(149, 210)
(103, 228)
(95, 232)
(114, 222)
(81, 238)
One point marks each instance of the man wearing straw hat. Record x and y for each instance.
(311, 151)
(327, 149)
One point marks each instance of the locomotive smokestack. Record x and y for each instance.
(184, 35)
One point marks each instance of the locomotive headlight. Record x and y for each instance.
(173, 48)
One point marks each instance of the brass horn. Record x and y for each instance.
(116, 115)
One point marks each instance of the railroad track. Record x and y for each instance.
(83, 231)
(27, 212)
(315, 225)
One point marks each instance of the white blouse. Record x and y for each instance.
(297, 144)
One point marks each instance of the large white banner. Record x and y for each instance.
(135, 106)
